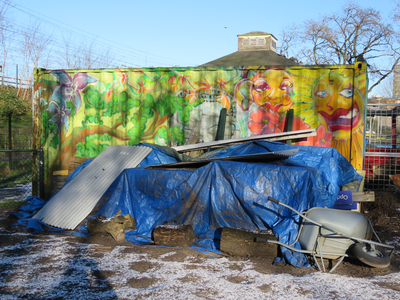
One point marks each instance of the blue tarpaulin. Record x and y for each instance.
(225, 193)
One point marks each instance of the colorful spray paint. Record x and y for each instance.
(81, 112)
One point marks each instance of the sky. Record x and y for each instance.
(172, 33)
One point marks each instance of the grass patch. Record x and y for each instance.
(11, 203)
(21, 138)
(20, 122)
(21, 173)
(21, 133)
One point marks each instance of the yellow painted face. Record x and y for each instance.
(273, 90)
(338, 105)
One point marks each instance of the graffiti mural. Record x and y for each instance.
(78, 113)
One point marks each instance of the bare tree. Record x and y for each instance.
(347, 35)
(5, 33)
(289, 38)
(101, 58)
(386, 88)
(84, 54)
(36, 51)
(68, 54)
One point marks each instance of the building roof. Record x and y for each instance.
(251, 58)
(256, 33)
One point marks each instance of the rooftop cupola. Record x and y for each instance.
(256, 40)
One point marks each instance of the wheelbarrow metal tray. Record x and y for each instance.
(350, 223)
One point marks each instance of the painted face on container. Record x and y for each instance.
(338, 104)
(273, 90)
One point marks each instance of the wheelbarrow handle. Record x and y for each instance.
(300, 214)
(273, 200)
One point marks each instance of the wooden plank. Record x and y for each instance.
(298, 134)
(363, 196)
(60, 172)
(102, 248)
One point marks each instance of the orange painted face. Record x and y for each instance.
(338, 105)
(273, 90)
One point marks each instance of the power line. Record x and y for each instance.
(18, 30)
(18, 38)
(143, 54)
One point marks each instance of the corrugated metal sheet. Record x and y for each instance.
(251, 158)
(76, 200)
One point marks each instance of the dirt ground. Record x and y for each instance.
(384, 214)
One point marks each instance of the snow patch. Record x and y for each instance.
(62, 268)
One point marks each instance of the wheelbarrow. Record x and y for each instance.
(336, 234)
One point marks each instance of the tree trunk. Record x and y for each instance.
(174, 235)
(240, 242)
(115, 226)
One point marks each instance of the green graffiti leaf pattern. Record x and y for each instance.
(55, 141)
(93, 99)
(48, 128)
(147, 107)
(177, 134)
(136, 108)
(162, 134)
(90, 148)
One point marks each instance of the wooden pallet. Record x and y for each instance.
(363, 197)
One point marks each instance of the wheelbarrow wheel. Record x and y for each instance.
(371, 256)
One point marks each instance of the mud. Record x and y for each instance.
(384, 214)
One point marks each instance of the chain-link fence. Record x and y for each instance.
(22, 138)
(21, 175)
(382, 156)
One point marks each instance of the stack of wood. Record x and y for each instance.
(173, 235)
(237, 242)
(75, 162)
(114, 226)
(60, 177)
(193, 138)
(57, 180)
